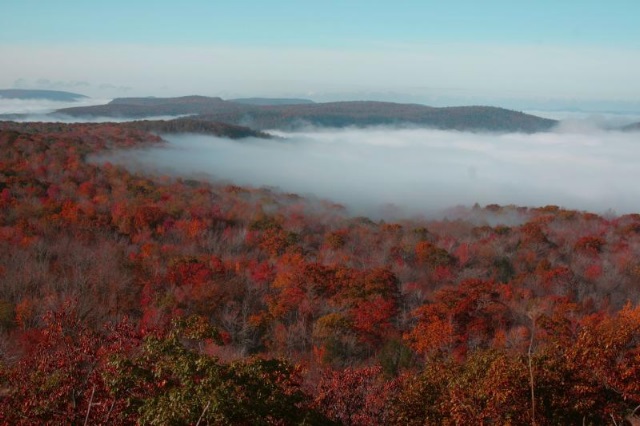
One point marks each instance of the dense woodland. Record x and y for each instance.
(129, 298)
(363, 114)
(196, 126)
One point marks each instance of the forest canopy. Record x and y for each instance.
(135, 298)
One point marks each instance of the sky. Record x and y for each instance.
(540, 55)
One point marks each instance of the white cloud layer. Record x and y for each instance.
(420, 171)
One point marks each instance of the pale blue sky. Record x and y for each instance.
(414, 50)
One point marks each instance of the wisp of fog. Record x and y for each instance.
(419, 171)
(29, 110)
(41, 107)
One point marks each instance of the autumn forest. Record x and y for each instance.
(140, 298)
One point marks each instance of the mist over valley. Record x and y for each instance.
(415, 171)
(572, 159)
(319, 213)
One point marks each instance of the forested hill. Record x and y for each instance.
(334, 114)
(344, 114)
(52, 95)
(633, 127)
(191, 125)
(272, 101)
(158, 127)
(154, 107)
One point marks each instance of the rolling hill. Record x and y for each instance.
(150, 107)
(272, 101)
(190, 125)
(158, 127)
(333, 114)
(363, 114)
(51, 95)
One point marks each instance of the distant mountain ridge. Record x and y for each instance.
(152, 101)
(366, 113)
(150, 107)
(633, 127)
(272, 101)
(332, 114)
(51, 95)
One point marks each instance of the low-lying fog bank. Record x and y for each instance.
(418, 171)
(30, 110)
(33, 109)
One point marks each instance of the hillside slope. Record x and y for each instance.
(130, 297)
(190, 125)
(52, 95)
(361, 114)
(150, 107)
(272, 101)
(333, 114)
